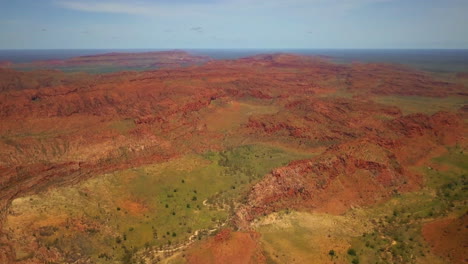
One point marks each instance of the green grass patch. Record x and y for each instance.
(420, 104)
(230, 115)
(298, 237)
(113, 216)
(123, 126)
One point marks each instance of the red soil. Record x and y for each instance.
(448, 238)
(227, 247)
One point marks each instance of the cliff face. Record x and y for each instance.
(59, 128)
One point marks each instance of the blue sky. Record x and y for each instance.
(271, 24)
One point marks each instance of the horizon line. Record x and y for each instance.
(174, 49)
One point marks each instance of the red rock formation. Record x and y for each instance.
(355, 172)
(388, 79)
(58, 128)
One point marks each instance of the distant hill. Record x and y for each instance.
(116, 61)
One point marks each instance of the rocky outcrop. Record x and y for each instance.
(356, 172)
(59, 128)
(397, 80)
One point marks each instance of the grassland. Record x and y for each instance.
(230, 115)
(123, 126)
(420, 104)
(299, 237)
(113, 216)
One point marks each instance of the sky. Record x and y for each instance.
(238, 24)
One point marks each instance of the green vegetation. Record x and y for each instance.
(245, 165)
(113, 216)
(230, 115)
(123, 126)
(298, 237)
(420, 104)
(397, 237)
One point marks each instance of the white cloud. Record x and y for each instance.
(109, 7)
(162, 8)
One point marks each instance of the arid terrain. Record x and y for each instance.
(168, 157)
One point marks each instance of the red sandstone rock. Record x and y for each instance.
(57, 128)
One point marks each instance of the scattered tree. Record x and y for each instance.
(352, 252)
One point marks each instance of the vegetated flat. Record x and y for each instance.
(419, 104)
(273, 158)
(159, 205)
(233, 114)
